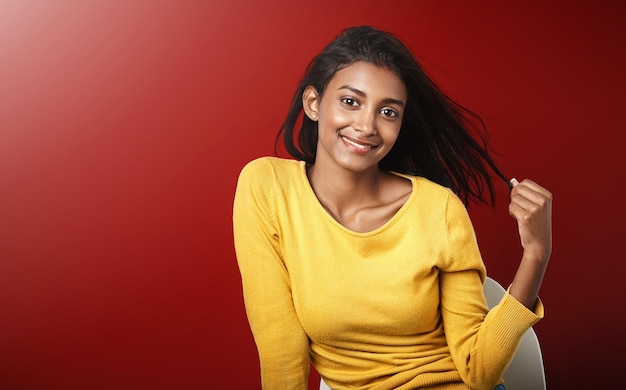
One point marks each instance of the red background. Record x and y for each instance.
(124, 124)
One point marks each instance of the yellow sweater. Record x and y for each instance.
(400, 307)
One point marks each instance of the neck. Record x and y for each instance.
(341, 188)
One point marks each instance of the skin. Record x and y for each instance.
(359, 118)
(531, 206)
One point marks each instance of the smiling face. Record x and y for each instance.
(359, 116)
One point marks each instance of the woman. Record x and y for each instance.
(358, 255)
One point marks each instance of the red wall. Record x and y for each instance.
(123, 125)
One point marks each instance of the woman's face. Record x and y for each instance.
(359, 116)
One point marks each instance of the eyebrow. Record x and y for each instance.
(363, 94)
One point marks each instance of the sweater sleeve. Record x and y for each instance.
(482, 343)
(281, 342)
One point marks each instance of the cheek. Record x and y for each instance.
(340, 120)
(392, 132)
(336, 118)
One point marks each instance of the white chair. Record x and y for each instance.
(526, 369)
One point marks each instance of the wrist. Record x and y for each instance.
(536, 256)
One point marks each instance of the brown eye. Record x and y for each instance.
(389, 112)
(350, 102)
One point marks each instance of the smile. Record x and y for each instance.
(358, 145)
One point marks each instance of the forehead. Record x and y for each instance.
(374, 81)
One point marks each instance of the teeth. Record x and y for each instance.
(360, 146)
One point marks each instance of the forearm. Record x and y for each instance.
(527, 281)
(482, 346)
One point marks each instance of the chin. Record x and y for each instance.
(356, 166)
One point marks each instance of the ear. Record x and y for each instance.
(310, 103)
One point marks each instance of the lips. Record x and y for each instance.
(357, 144)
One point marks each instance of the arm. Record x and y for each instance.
(531, 206)
(281, 342)
(482, 343)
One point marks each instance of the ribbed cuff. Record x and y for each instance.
(510, 319)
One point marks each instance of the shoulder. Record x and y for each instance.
(261, 179)
(431, 188)
(265, 167)
(269, 164)
(436, 200)
(429, 191)
(265, 173)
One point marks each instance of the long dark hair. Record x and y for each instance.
(439, 139)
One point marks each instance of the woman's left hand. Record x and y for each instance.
(531, 206)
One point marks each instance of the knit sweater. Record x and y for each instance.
(399, 307)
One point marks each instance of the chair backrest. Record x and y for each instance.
(526, 370)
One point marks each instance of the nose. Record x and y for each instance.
(365, 122)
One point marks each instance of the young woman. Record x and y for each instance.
(358, 255)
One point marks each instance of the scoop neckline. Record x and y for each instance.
(391, 221)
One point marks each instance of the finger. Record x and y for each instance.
(529, 191)
(528, 184)
(529, 201)
(516, 211)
